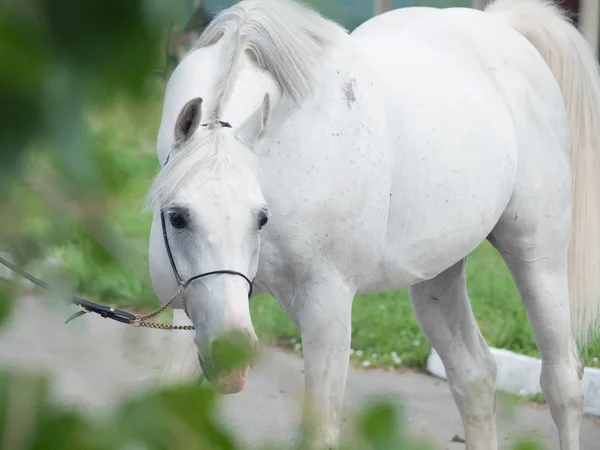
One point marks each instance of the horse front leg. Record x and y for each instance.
(322, 310)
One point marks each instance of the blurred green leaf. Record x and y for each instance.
(378, 427)
(183, 417)
(106, 39)
(24, 61)
(382, 427)
(528, 445)
(234, 350)
(28, 419)
(6, 302)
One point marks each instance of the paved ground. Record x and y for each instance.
(118, 359)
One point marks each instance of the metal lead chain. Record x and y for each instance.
(141, 321)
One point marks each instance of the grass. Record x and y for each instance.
(384, 330)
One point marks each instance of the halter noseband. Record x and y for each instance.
(183, 285)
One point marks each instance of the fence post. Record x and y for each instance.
(589, 22)
(382, 6)
(479, 4)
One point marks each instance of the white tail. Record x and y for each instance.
(570, 59)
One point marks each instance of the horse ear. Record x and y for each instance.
(251, 130)
(188, 120)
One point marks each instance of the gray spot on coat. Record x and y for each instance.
(349, 92)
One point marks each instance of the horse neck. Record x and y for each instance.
(252, 84)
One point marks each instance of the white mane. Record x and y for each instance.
(284, 38)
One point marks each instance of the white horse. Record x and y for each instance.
(380, 160)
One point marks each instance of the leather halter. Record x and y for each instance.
(185, 284)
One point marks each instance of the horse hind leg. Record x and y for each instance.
(444, 312)
(534, 246)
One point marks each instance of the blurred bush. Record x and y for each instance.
(60, 60)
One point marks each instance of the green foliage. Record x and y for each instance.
(231, 351)
(382, 427)
(61, 58)
(180, 417)
(20, 80)
(528, 445)
(29, 421)
(59, 55)
(107, 41)
(6, 302)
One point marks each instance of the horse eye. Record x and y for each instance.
(262, 220)
(178, 219)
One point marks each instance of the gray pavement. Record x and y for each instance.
(270, 406)
(120, 360)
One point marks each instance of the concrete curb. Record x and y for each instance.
(520, 375)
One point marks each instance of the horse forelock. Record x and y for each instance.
(205, 156)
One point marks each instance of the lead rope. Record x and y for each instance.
(141, 320)
(121, 316)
